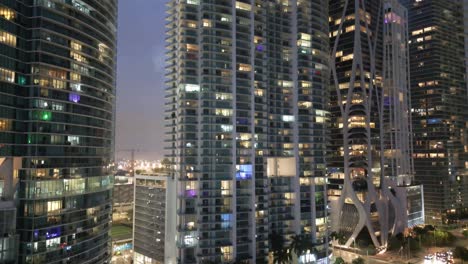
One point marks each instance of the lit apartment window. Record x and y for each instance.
(190, 88)
(350, 28)
(75, 45)
(207, 23)
(347, 57)
(243, 6)
(244, 67)
(223, 112)
(7, 13)
(7, 38)
(287, 118)
(5, 125)
(7, 75)
(78, 57)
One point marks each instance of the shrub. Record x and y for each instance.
(339, 260)
(465, 233)
(461, 253)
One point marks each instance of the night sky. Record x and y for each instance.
(140, 81)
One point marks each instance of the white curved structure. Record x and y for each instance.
(371, 132)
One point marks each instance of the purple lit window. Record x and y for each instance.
(387, 101)
(74, 98)
(260, 47)
(191, 193)
(54, 232)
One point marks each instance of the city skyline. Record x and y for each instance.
(233, 131)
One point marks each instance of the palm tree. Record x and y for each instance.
(297, 245)
(282, 256)
(277, 241)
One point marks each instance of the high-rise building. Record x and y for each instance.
(154, 227)
(57, 94)
(439, 100)
(247, 96)
(370, 162)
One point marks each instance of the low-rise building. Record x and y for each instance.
(154, 219)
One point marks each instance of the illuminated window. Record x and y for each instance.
(244, 67)
(190, 87)
(225, 19)
(347, 57)
(191, 24)
(343, 85)
(7, 38)
(78, 57)
(7, 75)
(53, 243)
(73, 140)
(5, 125)
(223, 96)
(75, 45)
(285, 84)
(223, 112)
(243, 172)
(226, 128)
(243, 6)
(225, 187)
(7, 13)
(192, 48)
(75, 76)
(207, 23)
(45, 115)
(287, 118)
(304, 40)
(350, 28)
(306, 105)
(53, 206)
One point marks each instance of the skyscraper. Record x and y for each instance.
(246, 111)
(439, 101)
(370, 163)
(57, 94)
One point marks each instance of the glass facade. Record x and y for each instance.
(247, 91)
(439, 98)
(57, 97)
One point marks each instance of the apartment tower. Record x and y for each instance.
(439, 100)
(57, 94)
(247, 85)
(370, 157)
